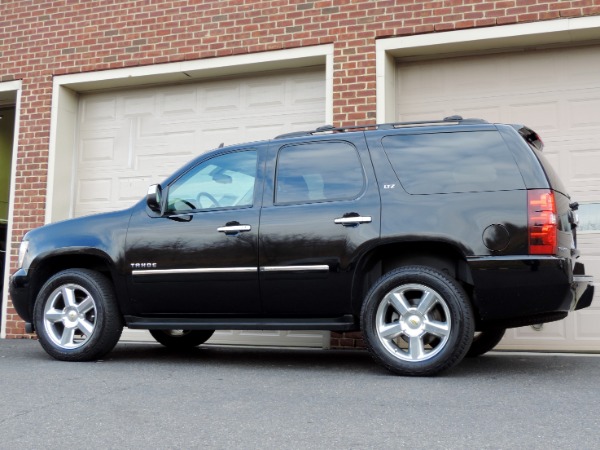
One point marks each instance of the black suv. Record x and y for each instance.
(430, 237)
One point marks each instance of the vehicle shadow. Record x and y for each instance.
(491, 365)
(245, 357)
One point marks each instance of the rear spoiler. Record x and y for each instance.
(530, 136)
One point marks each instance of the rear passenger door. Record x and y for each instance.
(321, 208)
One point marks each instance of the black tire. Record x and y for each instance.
(417, 321)
(484, 341)
(181, 339)
(76, 316)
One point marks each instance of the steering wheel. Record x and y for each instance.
(208, 196)
(187, 203)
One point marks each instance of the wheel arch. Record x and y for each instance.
(49, 266)
(443, 256)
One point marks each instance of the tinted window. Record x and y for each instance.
(453, 162)
(221, 182)
(318, 171)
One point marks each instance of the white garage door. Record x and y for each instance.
(130, 139)
(557, 93)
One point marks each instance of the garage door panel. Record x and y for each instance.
(418, 77)
(220, 99)
(542, 116)
(440, 108)
(583, 113)
(557, 93)
(182, 102)
(138, 105)
(531, 72)
(304, 92)
(152, 159)
(265, 95)
(586, 165)
(586, 327)
(423, 114)
(553, 331)
(257, 131)
(578, 163)
(301, 122)
(98, 109)
(128, 189)
(177, 145)
(97, 150)
(90, 191)
(154, 127)
(580, 66)
(479, 111)
(479, 75)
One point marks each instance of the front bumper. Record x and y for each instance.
(515, 289)
(20, 293)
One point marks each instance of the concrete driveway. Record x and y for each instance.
(143, 396)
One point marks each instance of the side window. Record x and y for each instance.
(318, 171)
(452, 162)
(225, 181)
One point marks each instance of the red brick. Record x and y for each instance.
(506, 20)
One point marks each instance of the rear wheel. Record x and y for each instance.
(484, 341)
(181, 338)
(76, 316)
(417, 321)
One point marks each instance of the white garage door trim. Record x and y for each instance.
(10, 93)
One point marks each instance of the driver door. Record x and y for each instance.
(200, 257)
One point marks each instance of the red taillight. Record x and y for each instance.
(541, 211)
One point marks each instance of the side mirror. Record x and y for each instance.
(154, 198)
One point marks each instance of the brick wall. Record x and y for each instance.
(41, 39)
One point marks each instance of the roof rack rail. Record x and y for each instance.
(327, 129)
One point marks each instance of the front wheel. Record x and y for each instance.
(76, 316)
(417, 321)
(181, 339)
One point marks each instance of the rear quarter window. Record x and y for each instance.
(452, 162)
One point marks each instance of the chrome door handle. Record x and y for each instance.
(234, 228)
(353, 220)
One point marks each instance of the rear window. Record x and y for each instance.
(452, 162)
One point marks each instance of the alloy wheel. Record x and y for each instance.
(413, 322)
(70, 316)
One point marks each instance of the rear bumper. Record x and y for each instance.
(521, 290)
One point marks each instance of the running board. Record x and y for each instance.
(344, 323)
